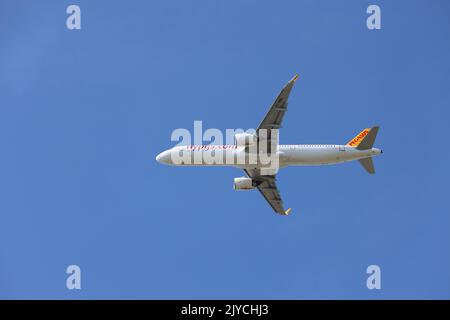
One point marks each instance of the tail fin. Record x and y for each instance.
(367, 163)
(365, 139)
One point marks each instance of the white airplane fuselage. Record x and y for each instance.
(260, 156)
(288, 155)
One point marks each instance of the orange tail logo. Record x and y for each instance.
(357, 140)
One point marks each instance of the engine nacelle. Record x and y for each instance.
(243, 183)
(245, 139)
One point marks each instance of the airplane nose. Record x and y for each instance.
(163, 157)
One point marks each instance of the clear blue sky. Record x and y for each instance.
(84, 113)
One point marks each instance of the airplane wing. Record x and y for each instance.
(268, 188)
(274, 117)
(266, 184)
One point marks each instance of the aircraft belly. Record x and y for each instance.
(316, 157)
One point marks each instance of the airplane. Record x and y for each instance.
(257, 175)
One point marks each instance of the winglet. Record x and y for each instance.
(294, 78)
(288, 211)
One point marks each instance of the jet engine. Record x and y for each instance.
(243, 183)
(245, 139)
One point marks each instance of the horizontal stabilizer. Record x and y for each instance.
(367, 163)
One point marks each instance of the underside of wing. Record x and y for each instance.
(275, 115)
(268, 188)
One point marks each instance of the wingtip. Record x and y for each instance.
(288, 211)
(295, 78)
